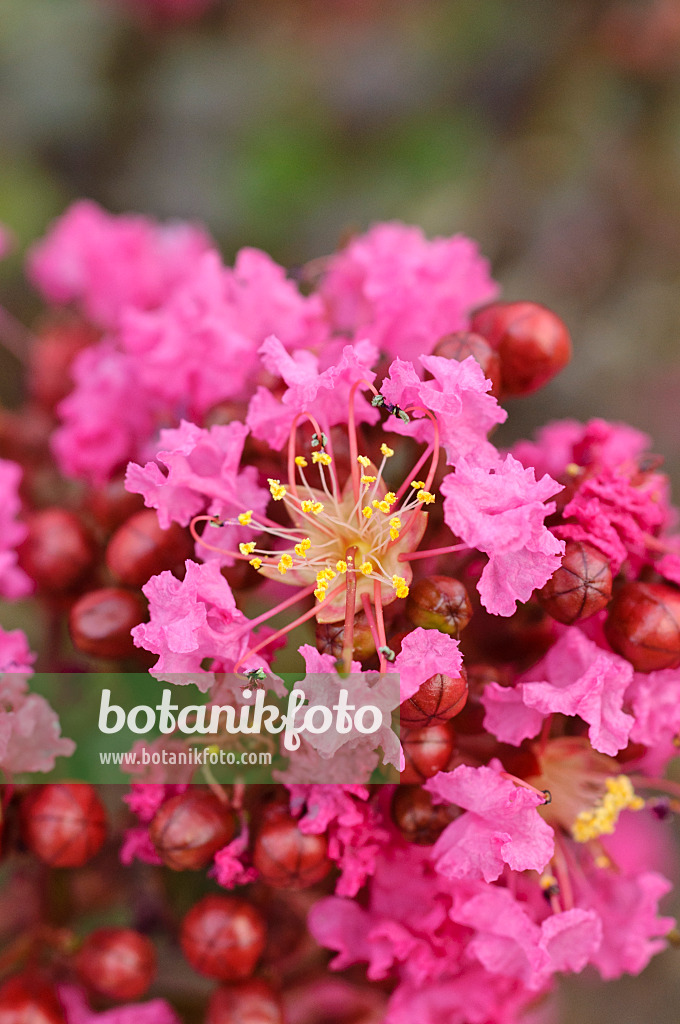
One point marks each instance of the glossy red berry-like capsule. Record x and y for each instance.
(580, 587)
(438, 699)
(223, 938)
(112, 505)
(58, 551)
(426, 752)
(50, 360)
(252, 1002)
(27, 999)
(288, 858)
(463, 344)
(439, 602)
(417, 818)
(101, 620)
(118, 963)
(140, 549)
(532, 342)
(190, 828)
(63, 824)
(643, 625)
(330, 638)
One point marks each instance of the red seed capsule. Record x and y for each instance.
(581, 586)
(223, 938)
(58, 552)
(643, 625)
(288, 858)
(118, 963)
(190, 828)
(27, 999)
(439, 602)
(439, 699)
(50, 360)
(462, 345)
(532, 342)
(426, 751)
(140, 549)
(330, 638)
(101, 620)
(63, 824)
(253, 1002)
(417, 818)
(111, 505)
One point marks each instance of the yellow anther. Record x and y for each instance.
(319, 594)
(367, 511)
(602, 861)
(245, 517)
(601, 819)
(390, 497)
(256, 562)
(285, 563)
(303, 547)
(425, 496)
(573, 469)
(394, 534)
(417, 485)
(400, 585)
(366, 568)
(395, 526)
(386, 451)
(312, 506)
(330, 573)
(301, 461)
(363, 460)
(368, 479)
(548, 882)
(382, 506)
(322, 457)
(341, 566)
(276, 488)
(247, 549)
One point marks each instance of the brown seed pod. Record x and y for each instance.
(190, 828)
(288, 858)
(330, 637)
(223, 938)
(252, 1002)
(139, 549)
(118, 963)
(643, 625)
(462, 344)
(580, 587)
(439, 602)
(63, 824)
(439, 699)
(417, 818)
(532, 342)
(426, 752)
(58, 551)
(101, 620)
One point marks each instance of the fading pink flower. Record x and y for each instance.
(424, 653)
(500, 509)
(229, 870)
(14, 582)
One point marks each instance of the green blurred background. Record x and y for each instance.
(547, 129)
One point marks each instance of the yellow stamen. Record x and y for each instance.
(245, 517)
(247, 549)
(425, 496)
(601, 819)
(386, 451)
(303, 547)
(417, 485)
(383, 506)
(285, 563)
(368, 479)
(322, 457)
(364, 461)
(312, 506)
(390, 497)
(400, 585)
(366, 568)
(256, 562)
(277, 489)
(320, 594)
(341, 566)
(367, 512)
(395, 526)
(301, 461)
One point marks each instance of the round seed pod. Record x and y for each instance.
(190, 828)
(643, 625)
(26, 999)
(417, 818)
(51, 357)
(140, 549)
(118, 963)
(330, 637)
(439, 602)
(532, 342)
(426, 752)
(58, 552)
(580, 587)
(438, 699)
(223, 938)
(101, 620)
(288, 858)
(252, 1002)
(462, 344)
(111, 505)
(63, 824)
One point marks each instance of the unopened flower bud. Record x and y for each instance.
(330, 638)
(438, 699)
(101, 620)
(190, 828)
(580, 587)
(140, 549)
(251, 1002)
(532, 342)
(417, 818)
(288, 858)
(439, 602)
(118, 963)
(462, 344)
(63, 824)
(426, 751)
(223, 938)
(643, 625)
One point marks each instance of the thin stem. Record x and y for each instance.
(211, 547)
(543, 793)
(352, 433)
(291, 446)
(380, 622)
(370, 618)
(299, 595)
(412, 556)
(414, 472)
(350, 606)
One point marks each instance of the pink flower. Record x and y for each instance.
(106, 263)
(14, 582)
(191, 620)
(424, 653)
(403, 291)
(472, 997)
(76, 1010)
(137, 845)
(145, 799)
(576, 677)
(596, 444)
(655, 702)
(457, 396)
(323, 805)
(310, 389)
(500, 509)
(229, 870)
(501, 825)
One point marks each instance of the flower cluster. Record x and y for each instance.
(277, 479)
